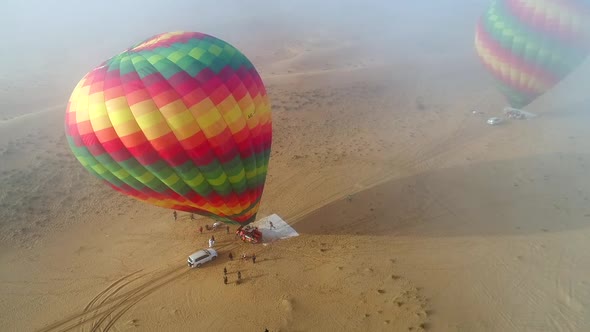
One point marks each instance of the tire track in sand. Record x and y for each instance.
(106, 308)
(105, 291)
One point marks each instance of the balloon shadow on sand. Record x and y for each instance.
(541, 193)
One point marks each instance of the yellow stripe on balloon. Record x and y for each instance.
(261, 169)
(121, 116)
(248, 111)
(237, 126)
(98, 168)
(251, 174)
(77, 89)
(196, 181)
(100, 123)
(218, 181)
(121, 173)
(227, 104)
(156, 131)
(171, 180)
(115, 104)
(83, 161)
(208, 118)
(201, 107)
(126, 129)
(146, 177)
(144, 107)
(97, 110)
(186, 131)
(174, 109)
(152, 59)
(82, 105)
(149, 120)
(215, 50)
(233, 116)
(197, 53)
(237, 178)
(245, 102)
(175, 56)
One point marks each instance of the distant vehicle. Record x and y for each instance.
(494, 121)
(201, 257)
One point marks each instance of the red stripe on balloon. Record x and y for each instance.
(144, 153)
(194, 97)
(201, 154)
(219, 95)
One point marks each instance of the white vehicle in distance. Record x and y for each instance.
(201, 257)
(494, 121)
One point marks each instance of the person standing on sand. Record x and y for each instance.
(254, 259)
(227, 229)
(201, 229)
(225, 280)
(192, 216)
(213, 238)
(174, 214)
(239, 275)
(231, 256)
(225, 271)
(211, 243)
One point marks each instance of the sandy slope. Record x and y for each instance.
(413, 214)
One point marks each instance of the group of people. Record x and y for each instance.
(231, 258)
(225, 276)
(212, 238)
(175, 215)
(213, 228)
(243, 257)
(215, 225)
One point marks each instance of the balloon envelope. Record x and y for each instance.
(530, 45)
(181, 120)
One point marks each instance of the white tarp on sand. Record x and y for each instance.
(280, 231)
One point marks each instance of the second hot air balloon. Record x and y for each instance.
(530, 45)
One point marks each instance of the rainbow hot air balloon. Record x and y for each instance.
(530, 45)
(181, 120)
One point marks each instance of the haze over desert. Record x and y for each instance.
(413, 213)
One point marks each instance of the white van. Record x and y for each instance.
(494, 121)
(201, 257)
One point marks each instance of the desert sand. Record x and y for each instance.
(413, 213)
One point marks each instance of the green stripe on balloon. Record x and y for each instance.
(167, 68)
(125, 66)
(190, 174)
(189, 65)
(119, 172)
